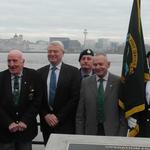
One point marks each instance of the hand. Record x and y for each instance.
(51, 120)
(132, 122)
(13, 127)
(21, 126)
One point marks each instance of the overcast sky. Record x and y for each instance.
(40, 19)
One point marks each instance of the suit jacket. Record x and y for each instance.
(65, 101)
(87, 118)
(27, 109)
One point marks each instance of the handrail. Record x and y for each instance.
(38, 142)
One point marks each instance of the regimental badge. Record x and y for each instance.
(31, 94)
(88, 51)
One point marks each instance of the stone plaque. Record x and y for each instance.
(86, 142)
(104, 147)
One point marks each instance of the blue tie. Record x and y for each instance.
(52, 86)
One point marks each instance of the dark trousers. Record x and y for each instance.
(100, 130)
(46, 135)
(16, 146)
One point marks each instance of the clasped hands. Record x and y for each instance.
(14, 127)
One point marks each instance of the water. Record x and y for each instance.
(37, 60)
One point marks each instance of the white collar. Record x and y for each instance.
(57, 66)
(105, 77)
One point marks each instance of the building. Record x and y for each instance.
(16, 42)
(70, 46)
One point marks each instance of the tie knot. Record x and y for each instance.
(16, 77)
(54, 68)
(101, 80)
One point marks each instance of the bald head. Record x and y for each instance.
(15, 61)
(17, 53)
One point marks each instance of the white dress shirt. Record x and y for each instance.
(105, 79)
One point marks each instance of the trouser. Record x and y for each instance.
(46, 135)
(101, 130)
(16, 146)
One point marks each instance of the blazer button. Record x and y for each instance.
(147, 120)
(17, 121)
(17, 113)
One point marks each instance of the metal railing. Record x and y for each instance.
(37, 142)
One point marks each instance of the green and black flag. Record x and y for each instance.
(135, 71)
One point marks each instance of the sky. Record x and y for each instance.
(41, 19)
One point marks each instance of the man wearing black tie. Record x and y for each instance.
(62, 85)
(98, 112)
(20, 99)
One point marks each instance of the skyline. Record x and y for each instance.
(39, 20)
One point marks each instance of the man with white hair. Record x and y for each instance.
(20, 99)
(98, 112)
(62, 86)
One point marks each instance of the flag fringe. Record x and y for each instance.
(134, 131)
(132, 111)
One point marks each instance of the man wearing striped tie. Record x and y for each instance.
(20, 99)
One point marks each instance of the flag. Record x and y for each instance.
(135, 71)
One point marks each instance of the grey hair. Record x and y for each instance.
(19, 52)
(101, 53)
(57, 43)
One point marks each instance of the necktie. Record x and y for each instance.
(16, 92)
(100, 99)
(52, 86)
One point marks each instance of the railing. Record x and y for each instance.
(38, 142)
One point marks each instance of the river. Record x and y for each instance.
(37, 60)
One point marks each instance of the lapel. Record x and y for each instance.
(45, 76)
(109, 86)
(24, 82)
(8, 85)
(93, 85)
(61, 76)
(92, 92)
(46, 72)
(26, 86)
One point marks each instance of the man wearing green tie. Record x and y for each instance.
(20, 99)
(98, 112)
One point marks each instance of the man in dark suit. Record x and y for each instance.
(61, 99)
(98, 112)
(20, 99)
(86, 63)
(148, 59)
